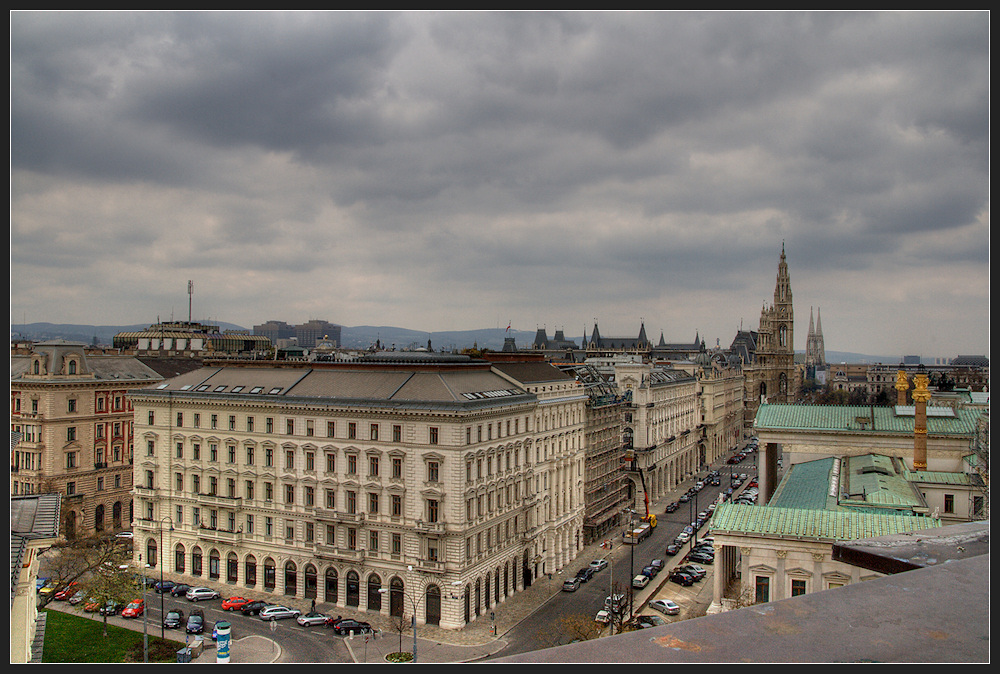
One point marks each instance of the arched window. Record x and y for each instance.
(331, 586)
(179, 558)
(353, 589)
(269, 575)
(116, 515)
(291, 580)
(250, 571)
(432, 601)
(213, 564)
(99, 517)
(374, 596)
(396, 597)
(196, 561)
(232, 567)
(310, 581)
(151, 552)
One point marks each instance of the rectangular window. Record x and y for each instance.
(949, 503)
(250, 524)
(197, 420)
(269, 457)
(213, 452)
(268, 526)
(432, 510)
(310, 430)
(232, 422)
(71, 405)
(798, 587)
(352, 538)
(373, 540)
(352, 502)
(268, 492)
(71, 434)
(250, 456)
(374, 431)
(196, 484)
(372, 503)
(215, 421)
(433, 435)
(232, 453)
(179, 481)
(331, 463)
(289, 459)
(372, 466)
(397, 467)
(180, 420)
(331, 534)
(310, 496)
(352, 464)
(397, 433)
(311, 461)
(331, 499)
(249, 489)
(249, 424)
(269, 425)
(761, 589)
(352, 430)
(396, 502)
(289, 494)
(310, 529)
(290, 427)
(331, 429)
(196, 450)
(432, 471)
(150, 418)
(397, 544)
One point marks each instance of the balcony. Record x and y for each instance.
(219, 535)
(431, 527)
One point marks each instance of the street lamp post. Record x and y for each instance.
(162, 557)
(413, 616)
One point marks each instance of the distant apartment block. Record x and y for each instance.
(182, 338)
(306, 335)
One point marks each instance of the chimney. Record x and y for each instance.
(920, 397)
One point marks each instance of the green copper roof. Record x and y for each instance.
(806, 485)
(821, 525)
(943, 421)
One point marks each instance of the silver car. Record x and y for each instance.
(278, 613)
(199, 593)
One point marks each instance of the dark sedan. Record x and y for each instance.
(682, 578)
(254, 607)
(585, 574)
(196, 622)
(174, 619)
(179, 590)
(348, 625)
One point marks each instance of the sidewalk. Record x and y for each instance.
(476, 640)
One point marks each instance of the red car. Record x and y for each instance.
(234, 603)
(134, 609)
(67, 592)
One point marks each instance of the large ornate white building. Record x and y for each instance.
(427, 476)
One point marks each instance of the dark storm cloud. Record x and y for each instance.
(421, 162)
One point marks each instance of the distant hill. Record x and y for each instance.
(363, 336)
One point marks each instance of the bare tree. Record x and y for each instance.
(77, 561)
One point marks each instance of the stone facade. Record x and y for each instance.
(358, 484)
(74, 418)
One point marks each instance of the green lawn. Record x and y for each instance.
(70, 638)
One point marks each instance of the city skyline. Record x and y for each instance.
(452, 171)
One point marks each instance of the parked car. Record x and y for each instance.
(67, 591)
(348, 626)
(78, 597)
(665, 606)
(92, 605)
(179, 590)
(682, 578)
(649, 571)
(134, 609)
(658, 564)
(312, 619)
(195, 622)
(200, 593)
(647, 621)
(234, 603)
(682, 538)
(701, 558)
(254, 607)
(585, 574)
(598, 564)
(673, 548)
(272, 613)
(640, 581)
(47, 588)
(571, 585)
(174, 619)
(603, 617)
(693, 570)
(672, 507)
(111, 608)
(164, 586)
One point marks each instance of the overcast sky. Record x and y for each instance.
(441, 171)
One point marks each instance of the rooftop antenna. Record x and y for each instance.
(190, 297)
